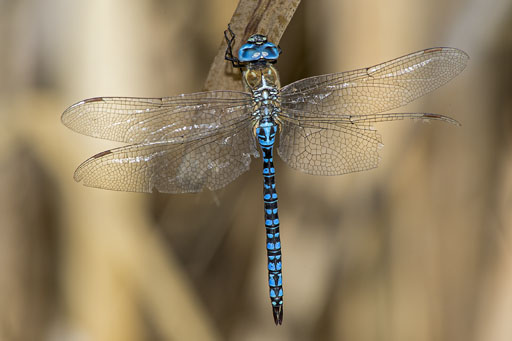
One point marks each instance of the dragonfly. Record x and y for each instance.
(205, 140)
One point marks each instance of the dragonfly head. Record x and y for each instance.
(258, 49)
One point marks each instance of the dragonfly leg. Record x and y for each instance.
(230, 40)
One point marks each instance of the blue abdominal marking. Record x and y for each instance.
(265, 132)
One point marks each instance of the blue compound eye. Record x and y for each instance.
(254, 52)
(270, 51)
(249, 53)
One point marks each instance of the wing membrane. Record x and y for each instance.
(326, 120)
(210, 162)
(323, 148)
(144, 120)
(375, 89)
(302, 116)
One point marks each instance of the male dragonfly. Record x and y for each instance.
(205, 140)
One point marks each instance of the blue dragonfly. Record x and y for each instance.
(205, 140)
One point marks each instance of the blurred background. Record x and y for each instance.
(417, 249)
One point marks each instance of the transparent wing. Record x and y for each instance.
(374, 89)
(326, 120)
(143, 120)
(322, 148)
(209, 162)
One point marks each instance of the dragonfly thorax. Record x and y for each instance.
(263, 83)
(259, 77)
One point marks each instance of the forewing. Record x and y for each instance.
(144, 120)
(375, 89)
(209, 162)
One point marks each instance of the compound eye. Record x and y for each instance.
(249, 53)
(270, 51)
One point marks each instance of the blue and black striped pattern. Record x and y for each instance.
(266, 133)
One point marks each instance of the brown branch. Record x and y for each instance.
(268, 17)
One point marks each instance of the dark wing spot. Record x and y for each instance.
(437, 49)
(434, 116)
(106, 152)
(94, 99)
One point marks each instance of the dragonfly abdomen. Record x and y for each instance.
(266, 138)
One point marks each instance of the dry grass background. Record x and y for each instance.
(418, 249)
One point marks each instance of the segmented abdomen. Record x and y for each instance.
(272, 221)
